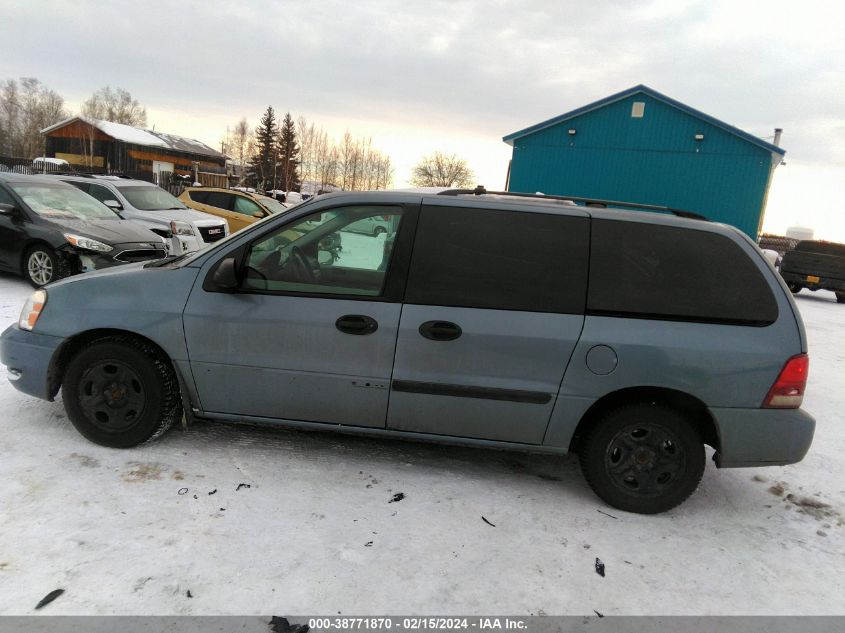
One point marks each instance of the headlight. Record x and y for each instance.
(87, 243)
(32, 309)
(181, 228)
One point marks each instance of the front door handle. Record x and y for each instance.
(356, 324)
(440, 330)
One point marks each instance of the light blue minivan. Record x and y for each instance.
(520, 322)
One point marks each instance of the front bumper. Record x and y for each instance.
(27, 357)
(762, 437)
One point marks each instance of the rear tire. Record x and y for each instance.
(643, 458)
(794, 288)
(120, 392)
(840, 297)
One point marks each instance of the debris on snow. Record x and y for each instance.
(821, 533)
(368, 544)
(486, 521)
(281, 625)
(606, 514)
(598, 614)
(397, 497)
(212, 492)
(182, 491)
(599, 567)
(777, 490)
(49, 598)
(242, 486)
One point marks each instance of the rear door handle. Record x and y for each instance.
(356, 324)
(440, 330)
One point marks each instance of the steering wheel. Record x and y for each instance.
(300, 266)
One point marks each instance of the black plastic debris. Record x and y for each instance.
(49, 598)
(281, 625)
(196, 497)
(606, 514)
(212, 492)
(368, 544)
(222, 509)
(483, 518)
(242, 486)
(601, 615)
(397, 497)
(599, 567)
(189, 594)
(182, 491)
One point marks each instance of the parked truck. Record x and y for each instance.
(815, 265)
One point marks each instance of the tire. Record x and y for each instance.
(41, 265)
(140, 392)
(379, 230)
(643, 458)
(794, 288)
(840, 297)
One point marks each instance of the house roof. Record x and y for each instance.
(139, 136)
(642, 89)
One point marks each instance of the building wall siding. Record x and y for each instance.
(654, 160)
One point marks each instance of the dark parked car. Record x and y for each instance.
(815, 265)
(50, 230)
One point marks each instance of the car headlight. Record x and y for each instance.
(181, 228)
(32, 309)
(87, 243)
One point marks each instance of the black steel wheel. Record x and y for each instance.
(121, 392)
(794, 288)
(643, 458)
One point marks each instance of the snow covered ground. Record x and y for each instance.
(314, 530)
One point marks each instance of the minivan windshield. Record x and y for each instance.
(62, 202)
(150, 198)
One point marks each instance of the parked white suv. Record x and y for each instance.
(184, 230)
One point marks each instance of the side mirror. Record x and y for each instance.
(226, 275)
(258, 214)
(113, 204)
(325, 258)
(7, 209)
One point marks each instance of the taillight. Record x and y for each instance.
(788, 390)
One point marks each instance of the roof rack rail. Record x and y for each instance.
(590, 202)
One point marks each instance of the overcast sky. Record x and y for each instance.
(457, 76)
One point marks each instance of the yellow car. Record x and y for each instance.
(238, 208)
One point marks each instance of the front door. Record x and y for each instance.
(310, 334)
(493, 309)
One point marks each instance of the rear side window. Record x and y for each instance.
(661, 272)
(503, 260)
(219, 199)
(198, 196)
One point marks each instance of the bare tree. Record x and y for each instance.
(26, 107)
(239, 145)
(440, 170)
(115, 105)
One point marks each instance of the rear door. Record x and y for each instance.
(493, 309)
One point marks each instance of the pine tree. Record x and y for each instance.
(289, 155)
(263, 165)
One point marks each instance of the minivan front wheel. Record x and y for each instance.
(121, 392)
(643, 458)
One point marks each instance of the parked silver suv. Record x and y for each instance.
(633, 338)
(185, 230)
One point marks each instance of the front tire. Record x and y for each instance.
(119, 392)
(41, 265)
(643, 458)
(794, 288)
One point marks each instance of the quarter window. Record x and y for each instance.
(663, 272)
(323, 253)
(476, 258)
(247, 207)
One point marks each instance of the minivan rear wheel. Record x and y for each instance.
(120, 392)
(643, 458)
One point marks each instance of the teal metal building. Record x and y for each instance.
(641, 146)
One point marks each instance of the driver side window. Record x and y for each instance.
(326, 253)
